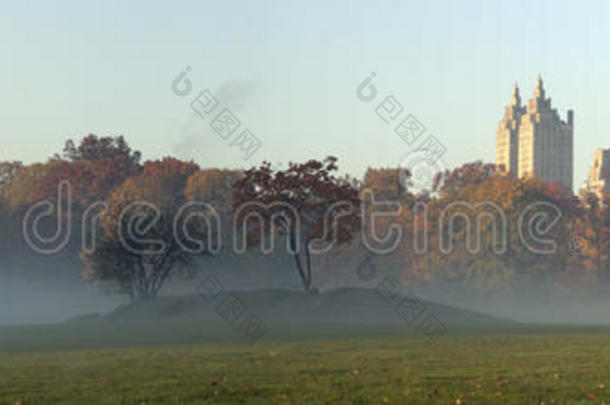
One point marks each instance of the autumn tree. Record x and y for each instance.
(472, 173)
(82, 178)
(386, 241)
(463, 221)
(497, 231)
(93, 169)
(307, 203)
(215, 187)
(8, 232)
(149, 231)
(212, 190)
(388, 184)
(101, 149)
(21, 191)
(8, 172)
(596, 233)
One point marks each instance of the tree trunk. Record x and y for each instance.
(304, 280)
(308, 264)
(304, 273)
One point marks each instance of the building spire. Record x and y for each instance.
(539, 92)
(516, 98)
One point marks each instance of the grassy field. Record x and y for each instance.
(543, 367)
(347, 346)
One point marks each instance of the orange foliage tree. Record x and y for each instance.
(141, 246)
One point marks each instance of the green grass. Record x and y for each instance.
(482, 368)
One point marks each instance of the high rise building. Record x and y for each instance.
(507, 137)
(533, 140)
(598, 181)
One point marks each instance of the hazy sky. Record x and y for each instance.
(289, 71)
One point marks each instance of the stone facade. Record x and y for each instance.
(598, 181)
(507, 137)
(535, 141)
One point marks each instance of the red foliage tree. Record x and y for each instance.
(305, 203)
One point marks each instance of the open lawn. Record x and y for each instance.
(516, 367)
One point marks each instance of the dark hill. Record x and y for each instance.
(284, 315)
(347, 305)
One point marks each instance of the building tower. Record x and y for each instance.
(507, 137)
(543, 144)
(598, 181)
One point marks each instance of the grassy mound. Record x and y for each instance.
(279, 315)
(343, 306)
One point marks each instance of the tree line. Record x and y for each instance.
(153, 219)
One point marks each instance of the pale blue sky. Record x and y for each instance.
(289, 71)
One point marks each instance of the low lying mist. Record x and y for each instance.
(56, 300)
